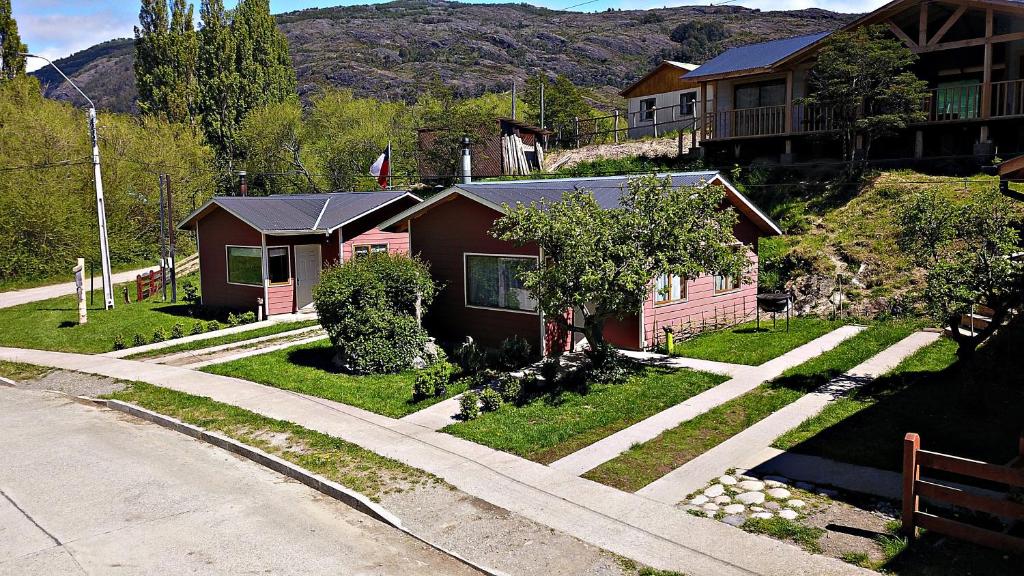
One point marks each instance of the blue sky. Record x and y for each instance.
(56, 28)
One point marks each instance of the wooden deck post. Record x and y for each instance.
(616, 126)
(911, 474)
(986, 86)
(789, 104)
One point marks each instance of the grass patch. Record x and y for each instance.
(633, 569)
(746, 344)
(53, 324)
(977, 416)
(225, 339)
(18, 371)
(645, 463)
(777, 527)
(308, 369)
(559, 423)
(340, 461)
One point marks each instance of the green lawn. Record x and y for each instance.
(927, 394)
(17, 371)
(336, 459)
(53, 324)
(645, 463)
(555, 425)
(226, 339)
(745, 344)
(308, 369)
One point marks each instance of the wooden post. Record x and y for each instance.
(986, 86)
(171, 240)
(79, 270)
(576, 124)
(911, 474)
(138, 288)
(789, 104)
(922, 26)
(616, 125)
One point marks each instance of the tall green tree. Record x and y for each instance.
(863, 87)
(166, 50)
(184, 59)
(265, 69)
(601, 262)
(563, 101)
(12, 63)
(217, 103)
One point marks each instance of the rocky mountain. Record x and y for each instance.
(392, 50)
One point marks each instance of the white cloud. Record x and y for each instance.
(55, 33)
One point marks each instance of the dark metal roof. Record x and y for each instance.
(754, 56)
(296, 213)
(607, 190)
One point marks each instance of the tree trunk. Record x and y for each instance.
(593, 328)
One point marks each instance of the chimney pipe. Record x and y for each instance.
(243, 183)
(467, 162)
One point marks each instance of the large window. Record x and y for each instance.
(763, 94)
(647, 109)
(669, 288)
(687, 104)
(245, 265)
(364, 250)
(725, 284)
(277, 265)
(494, 282)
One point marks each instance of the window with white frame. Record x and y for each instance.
(725, 284)
(278, 267)
(245, 265)
(494, 281)
(647, 109)
(364, 250)
(687, 103)
(669, 288)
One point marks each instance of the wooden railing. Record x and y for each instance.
(953, 103)
(744, 122)
(1007, 98)
(915, 460)
(146, 285)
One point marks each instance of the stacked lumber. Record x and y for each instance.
(513, 156)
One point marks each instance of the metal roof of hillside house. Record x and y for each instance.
(607, 191)
(285, 214)
(754, 56)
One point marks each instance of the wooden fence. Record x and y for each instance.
(914, 489)
(147, 284)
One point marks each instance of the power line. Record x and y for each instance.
(45, 165)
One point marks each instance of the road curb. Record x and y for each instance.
(344, 495)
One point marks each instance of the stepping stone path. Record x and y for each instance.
(734, 498)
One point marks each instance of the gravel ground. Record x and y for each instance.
(73, 383)
(495, 537)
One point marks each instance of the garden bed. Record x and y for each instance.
(308, 369)
(746, 344)
(560, 422)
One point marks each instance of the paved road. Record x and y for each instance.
(89, 491)
(16, 297)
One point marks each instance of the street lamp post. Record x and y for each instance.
(101, 211)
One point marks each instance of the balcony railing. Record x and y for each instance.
(947, 104)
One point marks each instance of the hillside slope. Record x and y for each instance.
(391, 51)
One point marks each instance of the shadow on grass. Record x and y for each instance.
(319, 358)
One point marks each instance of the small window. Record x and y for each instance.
(245, 265)
(364, 250)
(647, 109)
(725, 284)
(495, 282)
(687, 103)
(277, 265)
(669, 288)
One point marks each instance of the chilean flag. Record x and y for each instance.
(382, 167)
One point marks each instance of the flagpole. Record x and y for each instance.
(390, 164)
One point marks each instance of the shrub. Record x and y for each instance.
(197, 328)
(247, 318)
(138, 340)
(158, 336)
(233, 320)
(119, 342)
(487, 379)
(432, 381)
(490, 400)
(177, 331)
(212, 326)
(510, 388)
(470, 357)
(190, 296)
(368, 307)
(469, 407)
(549, 370)
(514, 353)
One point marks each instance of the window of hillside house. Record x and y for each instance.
(364, 250)
(245, 265)
(687, 103)
(761, 94)
(494, 282)
(669, 288)
(725, 284)
(647, 106)
(277, 265)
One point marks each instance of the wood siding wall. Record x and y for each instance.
(364, 230)
(217, 230)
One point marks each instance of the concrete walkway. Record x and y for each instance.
(26, 295)
(674, 486)
(723, 368)
(189, 356)
(436, 416)
(656, 534)
(746, 380)
(206, 361)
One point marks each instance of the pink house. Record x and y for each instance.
(482, 297)
(271, 249)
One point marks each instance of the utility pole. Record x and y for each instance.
(543, 82)
(172, 264)
(163, 240)
(101, 212)
(514, 99)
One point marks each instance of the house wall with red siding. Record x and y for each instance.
(281, 296)
(702, 306)
(441, 236)
(364, 230)
(217, 230)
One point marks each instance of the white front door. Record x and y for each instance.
(307, 273)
